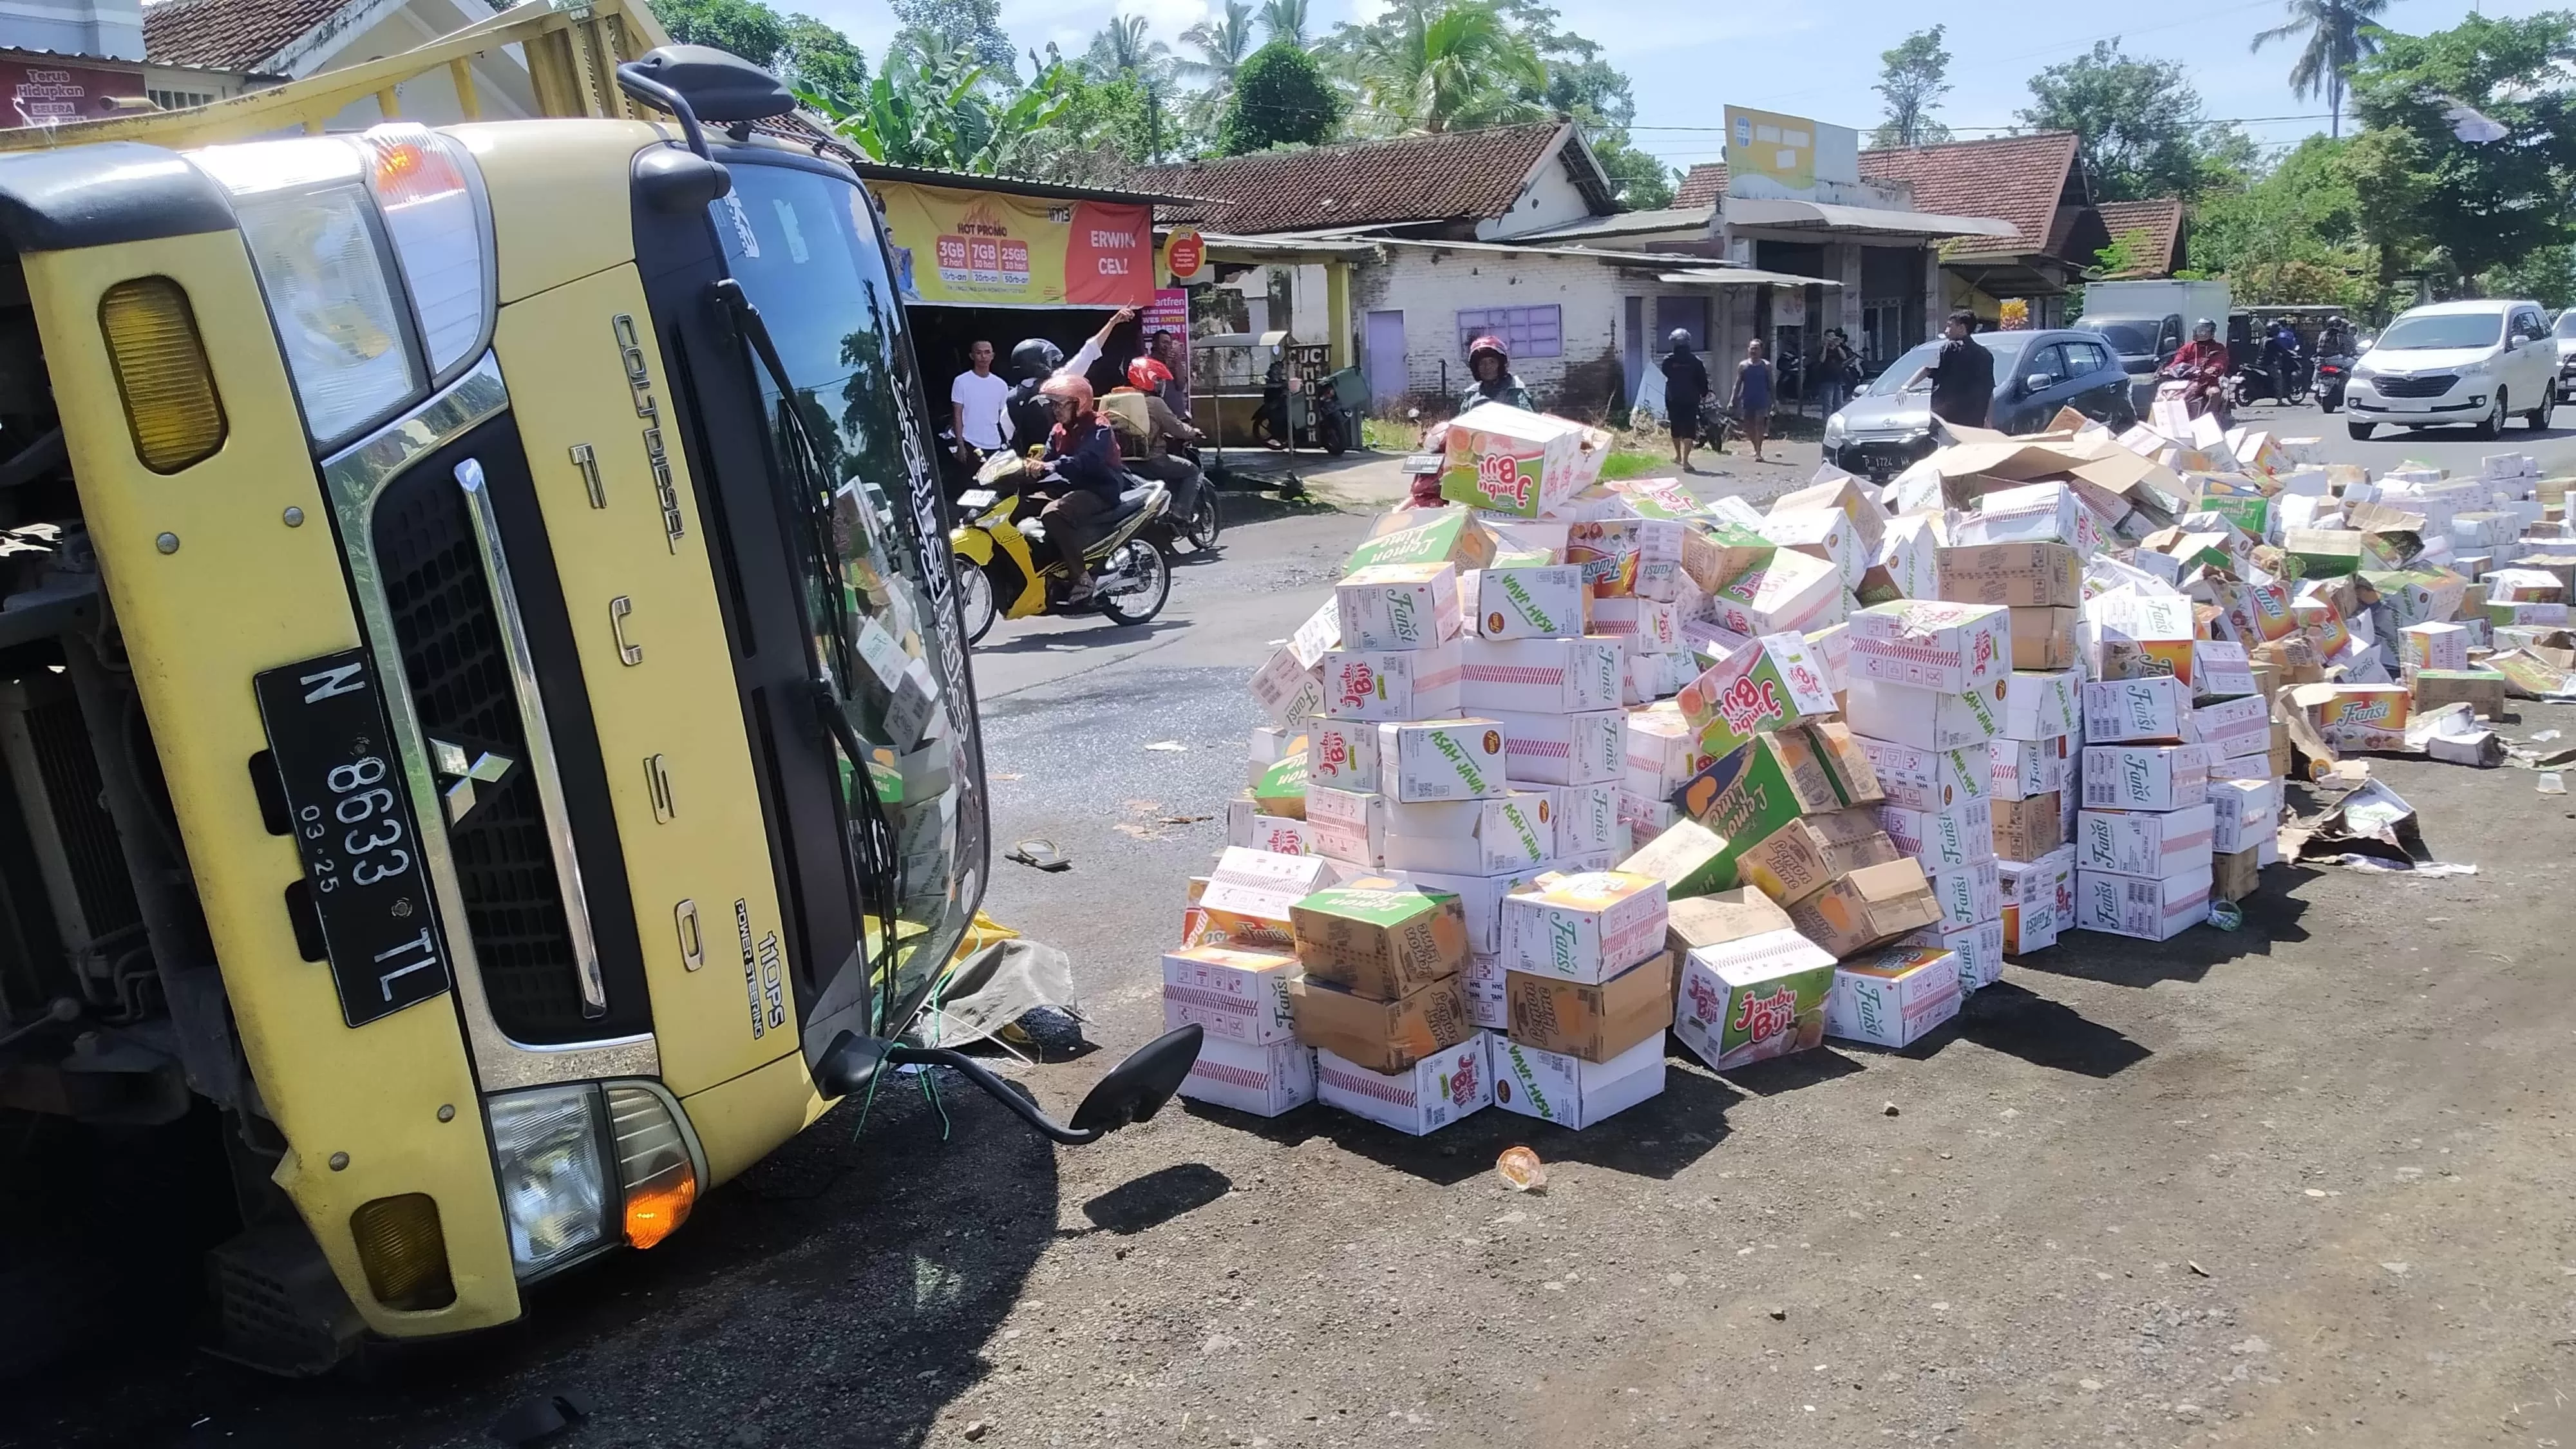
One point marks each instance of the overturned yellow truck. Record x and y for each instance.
(488, 743)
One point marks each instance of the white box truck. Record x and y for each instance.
(2147, 322)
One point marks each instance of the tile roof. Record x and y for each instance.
(1437, 177)
(229, 34)
(2161, 219)
(2018, 179)
(1703, 186)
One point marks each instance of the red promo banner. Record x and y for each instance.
(1109, 258)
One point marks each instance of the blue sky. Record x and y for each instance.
(1689, 60)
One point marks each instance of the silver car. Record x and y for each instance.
(1889, 425)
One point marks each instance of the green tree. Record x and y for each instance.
(2434, 201)
(1222, 45)
(1286, 20)
(1427, 67)
(1583, 84)
(2291, 232)
(1280, 98)
(816, 57)
(2138, 123)
(935, 111)
(746, 28)
(1123, 47)
(2546, 276)
(971, 26)
(2340, 33)
(1912, 79)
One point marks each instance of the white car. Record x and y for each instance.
(2470, 363)
(2564, 330)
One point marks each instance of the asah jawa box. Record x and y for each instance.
(1235, 996)
(1378, 939)
(1392, 684)
(1264, 1080)
(1766, 684)
(1530, 601)
(1925, 718)
(1417, 1099)
(1563, 749)
(1752, 998)
(1398, 606)
(1541, 676)
(1587, 927)
(1472, 837)
(1569, 1090)
(1893, 997)
(1450, 759)
(1928, 644)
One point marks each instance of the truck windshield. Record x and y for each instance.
(878, 589)
(2129, 339)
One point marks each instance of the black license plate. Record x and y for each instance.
(355, 829)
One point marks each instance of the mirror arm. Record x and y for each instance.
(852, 1061)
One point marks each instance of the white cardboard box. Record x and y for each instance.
(2163, 844)
(2240, 726)
(1530, 601)
(1920, 779)
(1392, 684)
(2042, 704)
(1894, 995)
(2033, 513)
(1236, 996)
(1646, 626)
(2220, 670)
(1286, 690)
(1563, 749)
(1398, 606)
(1248, 895)
(1980, 949)
(1434, 1092)
(1587, 817)
(1481, 897)
(2136, 709)
(1795, 591)
(2242, 811)
(1346, 825)
(1587, 927)
(1541, 676)
(1471, 837)
(1441, 759)
(1931, 644)
(1264, 1080)
(2128, 905)
(1968, 893)
(2024, 768)
(1342, 753)
(1927, 719)
(1246, 826)
(2144, 777)
(1489, 1003)
(1660, 748)
(1570, 1091)
(1964, 834)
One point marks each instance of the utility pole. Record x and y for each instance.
(1154, 123)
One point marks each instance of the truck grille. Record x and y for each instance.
(441, 605)
(2432, 386)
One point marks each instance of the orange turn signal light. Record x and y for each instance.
(655, 1211)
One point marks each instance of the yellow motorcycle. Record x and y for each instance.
(999, 575)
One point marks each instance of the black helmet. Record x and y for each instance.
(1680, 339)
(1036, 358)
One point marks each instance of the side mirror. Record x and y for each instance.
(1137, 1088)
(2038, 382)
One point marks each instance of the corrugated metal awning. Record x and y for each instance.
(1783, 211)
(1743, 277)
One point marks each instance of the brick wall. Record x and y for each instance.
(1431, 287)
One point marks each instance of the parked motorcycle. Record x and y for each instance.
(999, 570)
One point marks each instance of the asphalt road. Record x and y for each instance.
(2309, 1181)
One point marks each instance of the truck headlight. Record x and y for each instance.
(549, 1149)
(1834, 431)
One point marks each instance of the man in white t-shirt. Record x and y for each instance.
(976, 400)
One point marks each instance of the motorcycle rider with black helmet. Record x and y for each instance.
(1035, 360)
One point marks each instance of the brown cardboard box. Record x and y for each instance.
(1868, 907)
(1855, 780)
(2043, 638)
(2234, 877)
(1794, 861)
(2561, 564)
(1383, 1036)
(2281, 752)
(1593, 1023)
(2483, 689)
(1720, 917)
(2028, 828)
(1378, 939)
(2021, 575)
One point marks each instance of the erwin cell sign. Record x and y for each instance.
(987, 249)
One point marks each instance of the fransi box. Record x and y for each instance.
(1587, 927)
(1760, 686)
(2028, 828)
(1978, 948)
(2136, 709)
(1506, 460)
(1380, 940)
(1236, 996)
(1563, 749)
(2021, 575)
(1925, 718)
(1595, 1021)
(2158, 843)
(1893, 997)
(1787, 591)
(1921, 779)
(1929, 644)
(1570, 1091)
(1342, 753)
(1384, 1036)
(1967, 894)
(1587, 817)
(1688, 857)
(1753, 997)
(1346, 825)
(1450, 759)
(1871, 905)
(2144, 777)
(2233, 726)
(1962, 834)
(2042, 705)
(1264, 1080)
(1797, 859)
(1385, 684)
(2355, 716)
(1530, 601)
(2022, 768)
(2033, 513)
(1472, 837)
(2149, 909)
(2220, 670)
(1416, 1099)
(2136, 636)
(1287, 689)
(1398, 606)
(1541, 676)
(1248, 897)
(2241, 813)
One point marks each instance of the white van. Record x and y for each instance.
(2469, 363)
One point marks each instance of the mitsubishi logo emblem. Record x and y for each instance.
(464, 772)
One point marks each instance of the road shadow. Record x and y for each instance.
(1797, 1070)
(2271, 915)
(1101, 630)
(2008, 1018)
(1156, 1198)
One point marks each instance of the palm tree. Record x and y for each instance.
(1222, 45)
(1285, 20)
(1429, 69)
(2340, 33)
(1122, 48)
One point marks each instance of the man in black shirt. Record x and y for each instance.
(1963, 375)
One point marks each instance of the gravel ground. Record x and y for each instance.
(2308, 1181)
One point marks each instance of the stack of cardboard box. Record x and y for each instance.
(1590, 987)
(1381, 1005)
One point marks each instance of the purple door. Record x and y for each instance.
(1382, 358)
